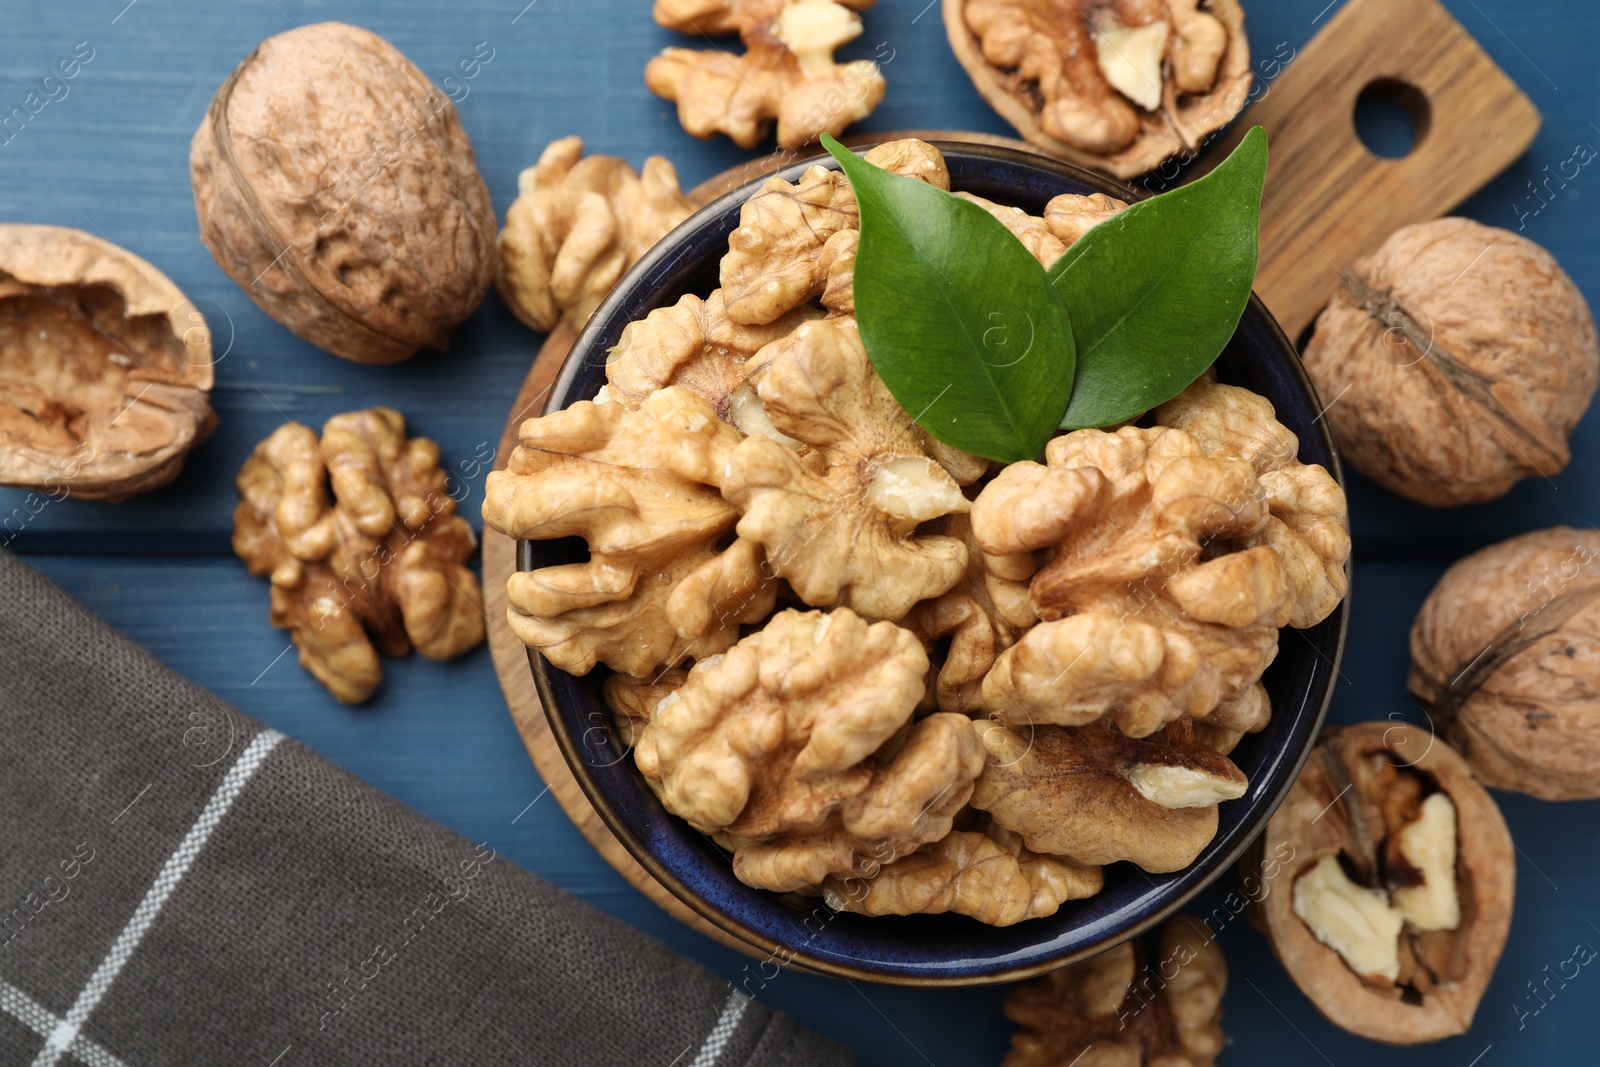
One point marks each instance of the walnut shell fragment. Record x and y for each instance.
(1458, 357)
(336, 185)
(990, 876)
(105, 367)
(1093, 795)
(787, 71)
(1147, 616)
(577, 224)
(1114, 85)
(376, 570)
(1395, 903)
(1505, 654)
(640, 486)
(789, 747)
(1124, 1006)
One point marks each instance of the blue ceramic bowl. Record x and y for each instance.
(929, 949)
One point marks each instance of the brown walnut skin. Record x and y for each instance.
(335, 184)
(1458, 358)
(1447, 970)
(1056, 76)
(1131, 1005)
(1505, 653)
(105, 367)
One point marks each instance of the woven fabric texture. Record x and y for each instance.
(182, 886)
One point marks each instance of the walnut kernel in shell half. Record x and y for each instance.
(1122, 1008)
(1394, 899)
(105, 367)
(1505, 653)
(335, 184)
(379, 568)
(1116, 85)
(1458, 357)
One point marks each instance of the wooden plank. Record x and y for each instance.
(1328, 199)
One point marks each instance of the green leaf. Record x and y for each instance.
(959, 319)
(1156, 291)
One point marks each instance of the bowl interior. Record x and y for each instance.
(936, 949)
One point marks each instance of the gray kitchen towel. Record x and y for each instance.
(180, 885)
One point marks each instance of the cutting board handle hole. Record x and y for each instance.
(1392, 117)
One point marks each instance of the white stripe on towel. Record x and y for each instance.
(66, 1031)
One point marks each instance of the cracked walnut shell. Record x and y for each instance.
(1125, 1008)
(376, 570)
(1394, 904)
(1143, 621)
(577, 224)
(1458, 358)
(788, 746)
(105, 367)
(1505, 654)
(1093, 795)
(787, 71)
(640, 486)
(1115, 85)
(335, 185)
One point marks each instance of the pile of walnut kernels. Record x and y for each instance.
(915, 683)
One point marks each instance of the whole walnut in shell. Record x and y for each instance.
(1505, 654)
(335, 184)
(1116, 85)
(1396, 880)
(377, 569)
(1456, 360)
(577, 224)
(105, 367)
(1124, 1009)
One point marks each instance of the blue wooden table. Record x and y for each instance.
(111, 156)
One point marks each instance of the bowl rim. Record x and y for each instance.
(572, 366)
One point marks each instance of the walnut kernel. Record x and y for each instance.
(1395, 899)
(1118, 85)
(375, 571)
(577, 224)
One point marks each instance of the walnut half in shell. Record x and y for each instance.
(105, 367)
(1116, 85)
(1395, 904)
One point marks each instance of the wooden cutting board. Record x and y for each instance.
(1328, 201)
